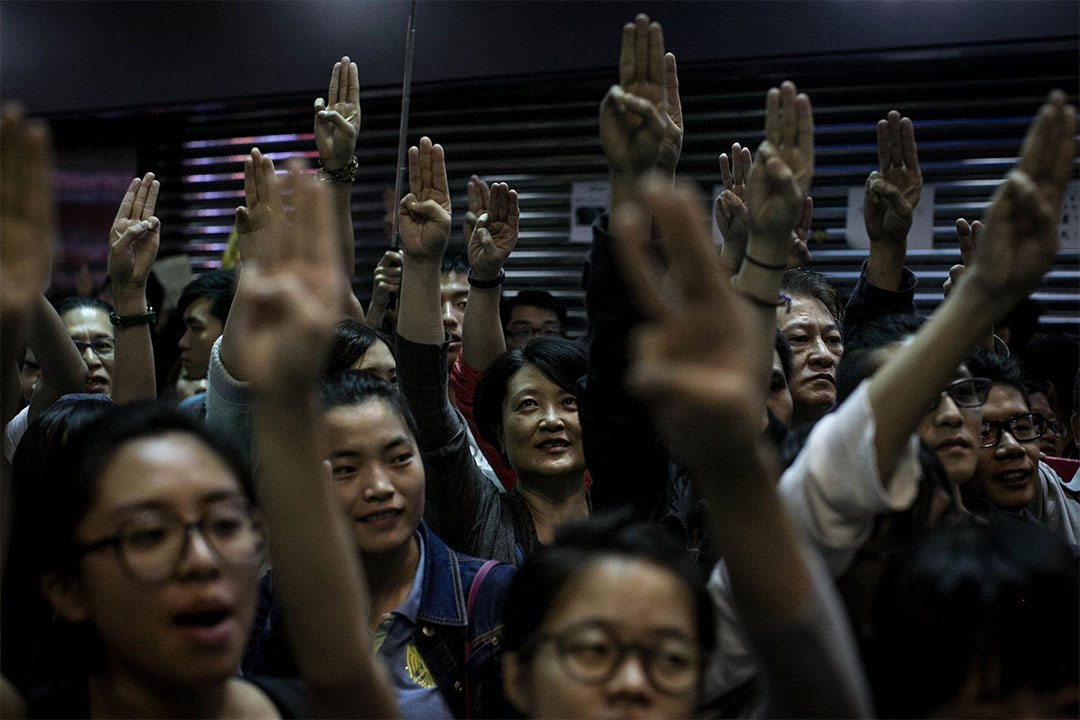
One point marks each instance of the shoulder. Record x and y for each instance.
(263, 697)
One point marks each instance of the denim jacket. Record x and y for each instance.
(440, 635)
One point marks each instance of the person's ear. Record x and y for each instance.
(66, 597)
(514, 681)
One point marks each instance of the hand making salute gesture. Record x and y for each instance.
(892, 192)
(283, 323)
(641, 117)
(133, 247)
(337, 126)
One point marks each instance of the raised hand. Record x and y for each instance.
(1021, 236)
(424, 214)
(691, 363)
(640, 123)
(776, 204)
(789, 129)
(262, 209)
(337, 118)
(800, 249)
(968, 235)
(288, 296)
(134, 238)
(387, 280)
(730, 208)
(27, 219)
(496, 233)
(478, 194)
(893, 191)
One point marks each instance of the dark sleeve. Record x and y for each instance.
(458, 496)
(868, 302)
(623, 453)
(268, 652)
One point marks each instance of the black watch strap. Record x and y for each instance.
(487, 284)
(147, 318)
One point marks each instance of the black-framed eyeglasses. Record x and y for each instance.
(965, 393)
(102, 347)
(1024, 427)
(523, 334)
(591, 653)
(151, 545)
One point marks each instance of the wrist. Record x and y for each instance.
(129, 303)
(486, 274)
(769, 249)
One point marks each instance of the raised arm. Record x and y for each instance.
(892, 192)
(63, 370)
(28, 227)
(696, 367)
(337, 126)
(492, 241)
(286, 333)
(1017, 248)
(386, 285)
(133, 247)
(638, 131)
(424, 225)
(776, 198)
(28, 231)
(258, 219)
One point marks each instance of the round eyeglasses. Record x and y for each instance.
(965, 393)
(524, 334)
(591, 653)
(1024, 427)
(151, 544)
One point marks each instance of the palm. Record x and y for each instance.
(424, 214)
(131, 262)
(628, 140)
(332, 140)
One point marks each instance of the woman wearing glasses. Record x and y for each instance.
(610, 619)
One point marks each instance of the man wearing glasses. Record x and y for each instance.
(1008, 474)
(531, 314)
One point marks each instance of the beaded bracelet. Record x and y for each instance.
(343, 174)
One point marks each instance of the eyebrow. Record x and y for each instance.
(206, 499)
(832, 326)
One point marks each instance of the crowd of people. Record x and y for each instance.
(740, 494)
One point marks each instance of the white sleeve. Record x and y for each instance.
(833, 491)
(14, 431)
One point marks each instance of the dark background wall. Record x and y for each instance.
(71, 56)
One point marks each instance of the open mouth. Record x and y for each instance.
(1014, 478)
(553, 444)
(380, 516)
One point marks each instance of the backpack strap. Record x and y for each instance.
(474, 588)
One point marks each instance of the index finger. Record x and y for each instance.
(626, 56)
(335, 81)
(966, 239)
(414, 170)
(883, 145)
(772, 116)
(124, 213)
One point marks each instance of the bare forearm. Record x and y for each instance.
(134, 376)
(761, 286)
(902, 390)
(419, 319)
(341, 207)
(322, 589)
(482, 338)
(62, 368)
